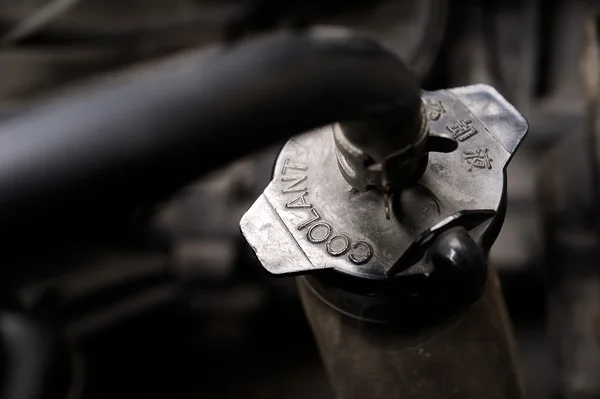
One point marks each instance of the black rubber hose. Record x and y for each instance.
(140, 135)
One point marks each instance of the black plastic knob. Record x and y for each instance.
(460, 269)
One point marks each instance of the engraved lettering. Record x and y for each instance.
(338, 245)
(287, 165)
(478, 158)
(361, 253)
(436, 109)
(299, 202)
(319, 233)
(461, 129)
(292, 187)
(309, 221)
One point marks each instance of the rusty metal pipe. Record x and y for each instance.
(466, 354)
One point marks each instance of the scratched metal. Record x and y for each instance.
(308, 201)
(503, 120)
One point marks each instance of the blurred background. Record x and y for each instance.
(177, 306)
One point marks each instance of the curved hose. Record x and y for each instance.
(138, 136)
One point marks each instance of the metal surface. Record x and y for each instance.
(309, 218)
(470, 354)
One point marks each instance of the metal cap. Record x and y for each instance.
(310, 218)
